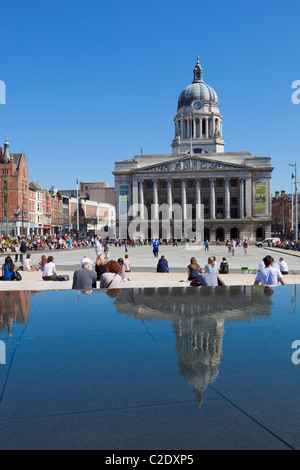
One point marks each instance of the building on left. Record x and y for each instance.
(28, 209)
(14, 200)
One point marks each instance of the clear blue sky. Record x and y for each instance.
(91, 82)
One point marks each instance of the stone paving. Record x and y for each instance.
(144, 266)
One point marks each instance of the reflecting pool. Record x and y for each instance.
(161, 368)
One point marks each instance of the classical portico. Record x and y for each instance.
(229, 191)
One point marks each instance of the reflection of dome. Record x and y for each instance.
(198, 91)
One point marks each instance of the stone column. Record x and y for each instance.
(141, 199)
(248, 194)
(227, 198)
(194, 128)
(169, 180)
(198, 200)
(183, 198)
(200, 119)
(242, 199)
(155, 200)
(213, 128)
(206, 127)
(188, 129)
(212, 198)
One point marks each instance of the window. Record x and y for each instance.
(219, 201)
(234, 183)
(233, 212)
(149, 185)
(219, 183)
(163, 184)
(205, 201)
(233, 201)
(205, 183)
(191, 200)
(177, 200)
(191, 183)
(177, 184)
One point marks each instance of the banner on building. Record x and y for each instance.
(261, 197)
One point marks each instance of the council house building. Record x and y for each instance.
(230, 191)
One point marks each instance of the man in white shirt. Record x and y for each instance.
(283, 266)
(85, 259)
(269, 276)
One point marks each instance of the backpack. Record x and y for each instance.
(17, 276)
(224, 268)
(62, 277)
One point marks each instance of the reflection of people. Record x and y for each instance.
(268, 290)
(269, 276)
(113, 293)
(84, 278)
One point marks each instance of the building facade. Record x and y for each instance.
(283, 215)
(229, 191)
(14, 195)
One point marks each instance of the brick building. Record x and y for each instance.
(282, 215)
(14, 195)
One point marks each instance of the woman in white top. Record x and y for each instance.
(49, 271)
(27, 264)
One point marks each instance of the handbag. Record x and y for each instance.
(17, 276)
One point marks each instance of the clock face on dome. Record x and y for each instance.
(197, 105)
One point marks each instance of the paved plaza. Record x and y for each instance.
(144, 265)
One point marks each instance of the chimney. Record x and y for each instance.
(282, 193)
(276, 194)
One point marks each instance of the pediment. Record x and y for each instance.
(190, 164)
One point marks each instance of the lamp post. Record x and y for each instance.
(292, 215)
(296, 202)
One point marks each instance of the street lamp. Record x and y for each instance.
(296, 202)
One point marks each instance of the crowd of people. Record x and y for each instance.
(287, 245)
(111, 273)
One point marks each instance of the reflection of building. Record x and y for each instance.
(233, 187)
(198, 316)
(15, 308)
